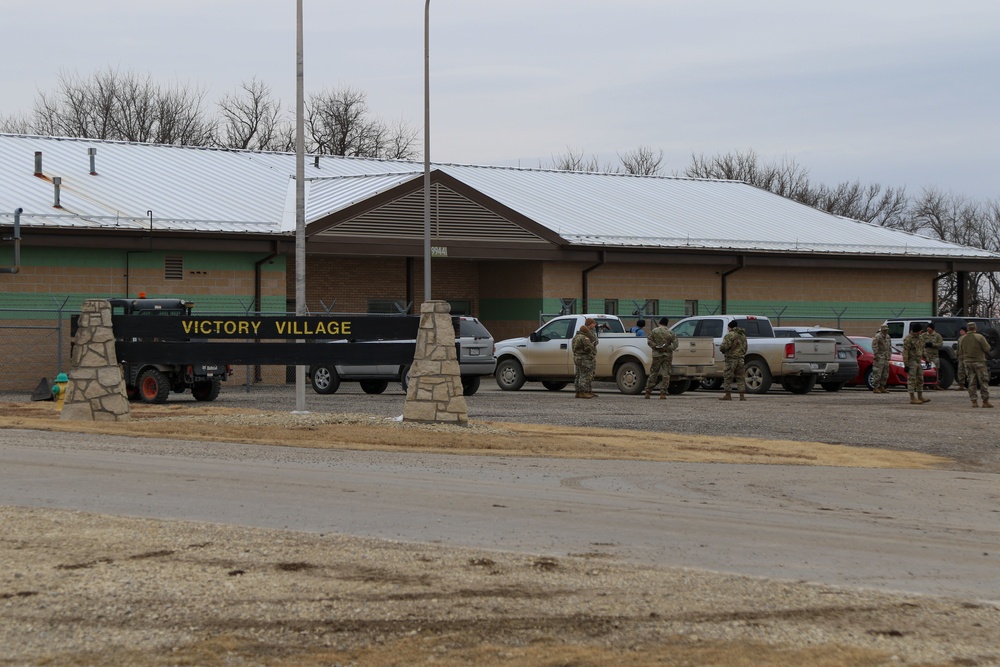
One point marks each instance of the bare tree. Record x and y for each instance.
(339, 122)
(16, 124)
(123, 106)
(251, 119)
(643, 161)
(573, 161)
(785, 178)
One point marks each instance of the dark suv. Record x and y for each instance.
(950, 328)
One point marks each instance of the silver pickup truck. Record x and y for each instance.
(546, 356)
(798, 363)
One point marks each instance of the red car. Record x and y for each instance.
(897, 372)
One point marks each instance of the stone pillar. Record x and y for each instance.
(434, 393)
(96, 390)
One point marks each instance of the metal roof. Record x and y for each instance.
(241, 192)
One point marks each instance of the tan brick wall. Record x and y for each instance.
(801, 284)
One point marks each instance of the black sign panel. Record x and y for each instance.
(350, 327)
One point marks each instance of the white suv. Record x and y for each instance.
(475, 359)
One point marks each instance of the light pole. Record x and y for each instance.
(427, 152)
(300, 202)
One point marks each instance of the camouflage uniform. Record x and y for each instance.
(664, 342)
(913, 350)
(882, 349)
(734, 346)
(585, 360)
(933, 342)
(975, 349)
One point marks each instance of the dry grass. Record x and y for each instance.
(361, 432)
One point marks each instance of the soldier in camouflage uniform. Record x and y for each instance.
(664, 342)
(961, 381)
(882, 349)
(734, 346)
(913, 351)
(585, 358)
(975, 349)
(933, 342)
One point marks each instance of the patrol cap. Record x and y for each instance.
(884, 327)
(972, 326)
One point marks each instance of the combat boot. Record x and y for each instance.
(743, 396)
(726, 397)
(914, 400)
(663, 393)
(591, 394)
(987, 404)
(975, 403)
(584, 395)
(649, 391)
(920, 397)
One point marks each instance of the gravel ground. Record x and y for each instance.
(96, 590)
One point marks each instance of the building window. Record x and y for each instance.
(690, 308)
(611, 306)
(173, 268)
(460, 307)
(652, 307)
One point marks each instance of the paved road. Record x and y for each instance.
(934, 532)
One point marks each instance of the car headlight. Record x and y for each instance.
(898, 364)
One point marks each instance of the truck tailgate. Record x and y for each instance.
(815, 350)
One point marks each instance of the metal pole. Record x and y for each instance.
(300, 202)
(427, 152)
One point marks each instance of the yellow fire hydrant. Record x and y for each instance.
(59, 390)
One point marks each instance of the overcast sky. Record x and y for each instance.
(898, 92)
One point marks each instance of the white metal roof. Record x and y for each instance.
(233, 191)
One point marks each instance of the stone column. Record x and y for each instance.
(96, 390)
(434, 393)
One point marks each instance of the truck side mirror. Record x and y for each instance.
(534, 337)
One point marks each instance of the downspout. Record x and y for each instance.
(586, 283)
(934, 293)
(725, 285)
(16, 238)
(257, 272)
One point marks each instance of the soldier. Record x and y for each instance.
(913, 350)
(664, 342)
(933, 342)
(960, 378)
(734, 346)
(585, 358)
(882, 349)
(974, 349)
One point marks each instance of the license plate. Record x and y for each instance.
(814, 367)
(474, 352)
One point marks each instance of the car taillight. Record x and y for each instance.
(789, 350)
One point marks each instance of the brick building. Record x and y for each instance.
(112, 219)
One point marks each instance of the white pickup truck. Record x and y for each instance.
(546, 356)
(797, 363)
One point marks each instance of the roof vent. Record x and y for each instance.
(38, 163)
(57, 183)
(92, 152)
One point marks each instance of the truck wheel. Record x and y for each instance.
(833, 386)
(153, 386)
(374, 386)
(404, 378)
(711, 383)
(946, 374)
(207, 390)
(470, 385)
(758, 377)
(799, 384)
(679, 386)
(510, 375)
(631, 378)
(555, 386)
(324, 379)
